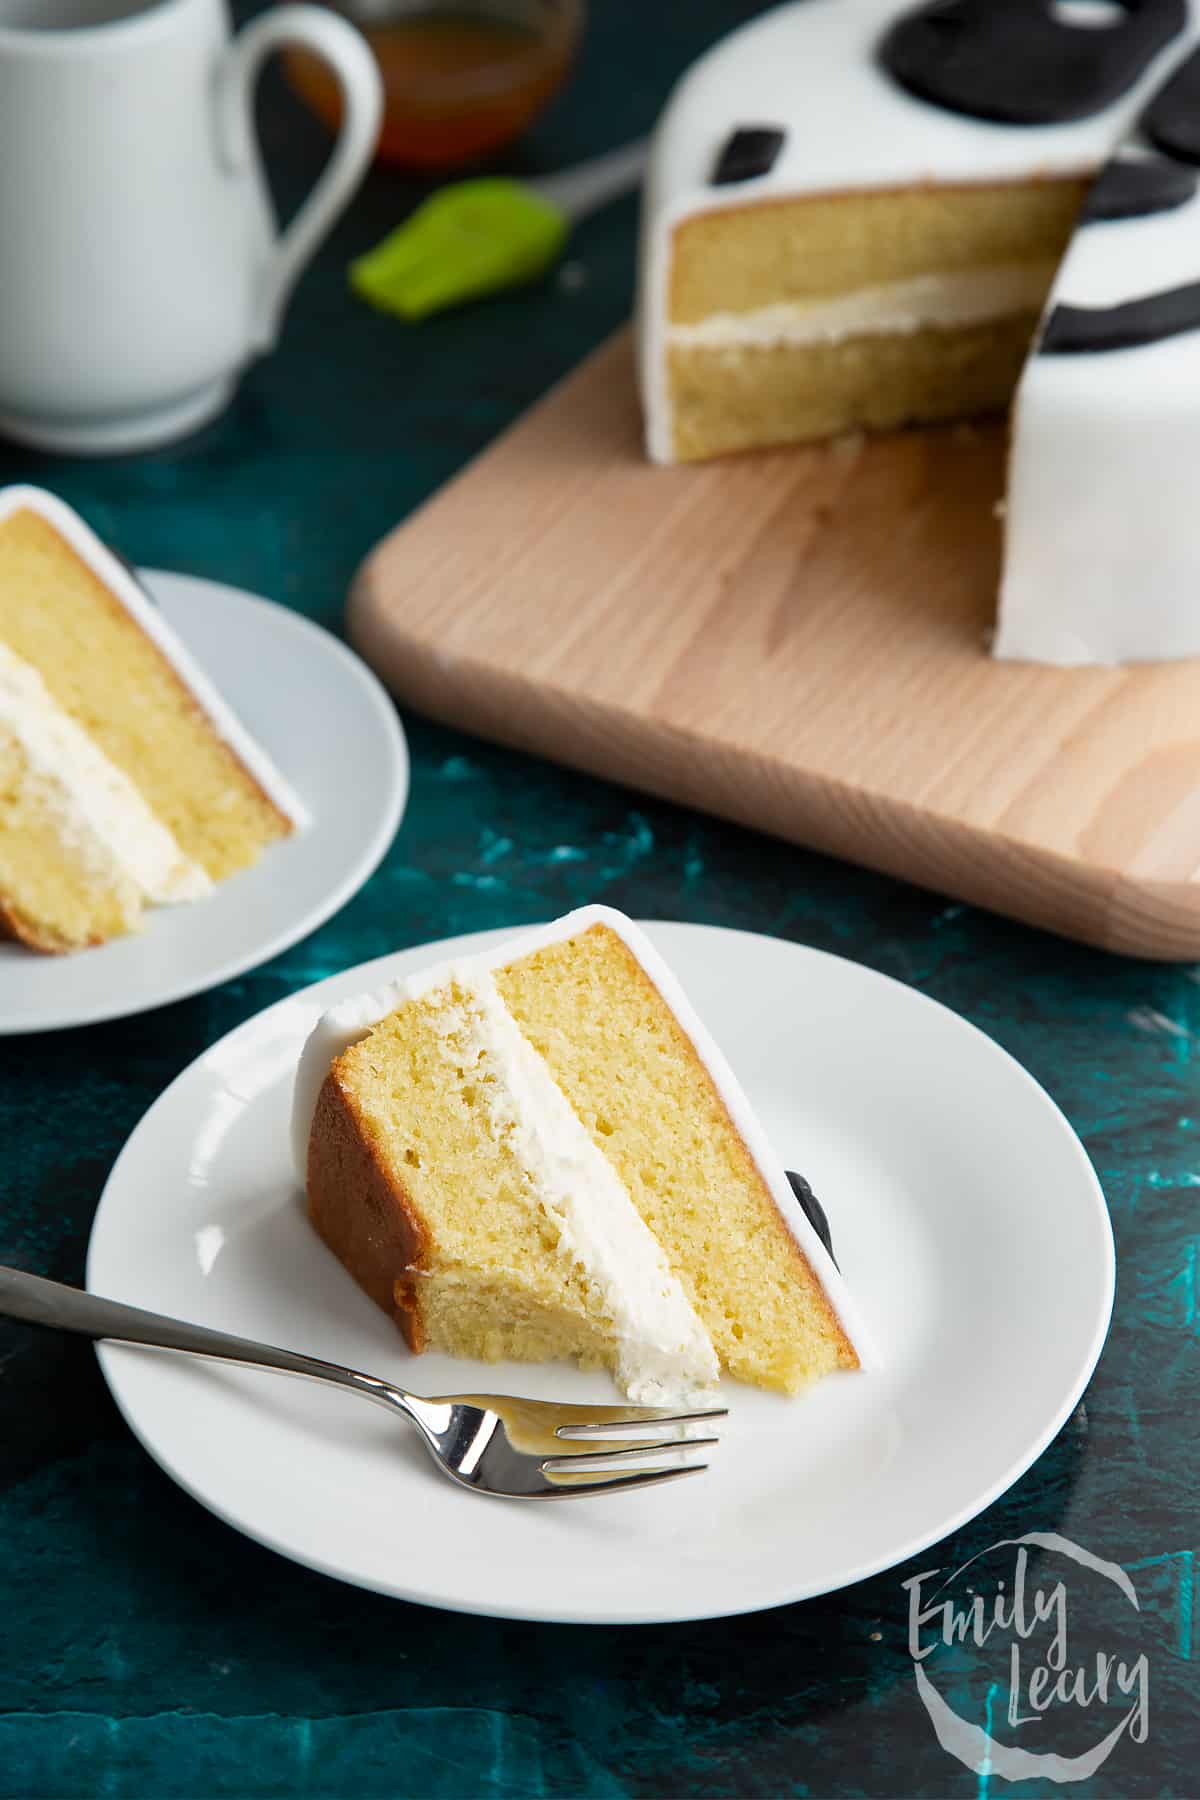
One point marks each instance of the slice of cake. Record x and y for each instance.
(540, 1154)
(125, 780)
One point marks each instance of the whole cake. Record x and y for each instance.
(860, 215)
(125, 780)
(540, 1154)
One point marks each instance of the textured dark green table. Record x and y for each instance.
(147, 1651)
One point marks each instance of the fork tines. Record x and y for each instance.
(584, 1471)
(561, 1486)
(591, 1459)
(642, 1420)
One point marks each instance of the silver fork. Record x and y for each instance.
(490, 1443)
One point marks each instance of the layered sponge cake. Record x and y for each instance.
(855, 209)
(125, 780)
(865, 214)
(539, 1154)
(827, 315)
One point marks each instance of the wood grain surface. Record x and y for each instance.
(795, 640)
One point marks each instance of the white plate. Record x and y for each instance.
(328, 724)
(965, 1214)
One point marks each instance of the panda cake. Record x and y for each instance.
(860, 215)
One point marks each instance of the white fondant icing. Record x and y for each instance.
(124, 588)
(350, 1022)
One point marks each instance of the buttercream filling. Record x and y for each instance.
(970, 297)
(664, 1354)
(98, 812)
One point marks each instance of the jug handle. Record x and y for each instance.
(348, 54)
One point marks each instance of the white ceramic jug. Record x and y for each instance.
(140, 266)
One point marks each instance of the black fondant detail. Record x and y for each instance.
(1172, 119)
(1019, 61)
(1077, 330)
(1132, 188)
(814, 1212)
(749, 151)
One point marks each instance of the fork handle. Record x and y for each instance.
(63, 1308)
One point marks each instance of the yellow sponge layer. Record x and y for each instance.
(745, 398)
(817, 246)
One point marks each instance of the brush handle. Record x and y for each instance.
(591, 185)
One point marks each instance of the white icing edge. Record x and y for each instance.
(350, 1021)
(98, 811)
(664, 1354)
(893, 309)
(124, 588)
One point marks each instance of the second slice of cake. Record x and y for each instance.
(125, 779)
(541, 1155)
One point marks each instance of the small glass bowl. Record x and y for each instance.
(462, 78)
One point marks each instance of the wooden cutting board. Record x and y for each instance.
(795, 640)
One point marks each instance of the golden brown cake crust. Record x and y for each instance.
(18, 930)
(363, 1213)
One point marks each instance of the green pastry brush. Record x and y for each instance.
(479, 237)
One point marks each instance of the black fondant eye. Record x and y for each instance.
(1132, 188)
(1025, 62)
(1172, 119)
(749, 151)
(814, 1212)
(1083, 330)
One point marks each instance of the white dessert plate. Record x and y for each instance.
(331, 729)
(965, 1215)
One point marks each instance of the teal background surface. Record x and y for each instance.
(148, 1652)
